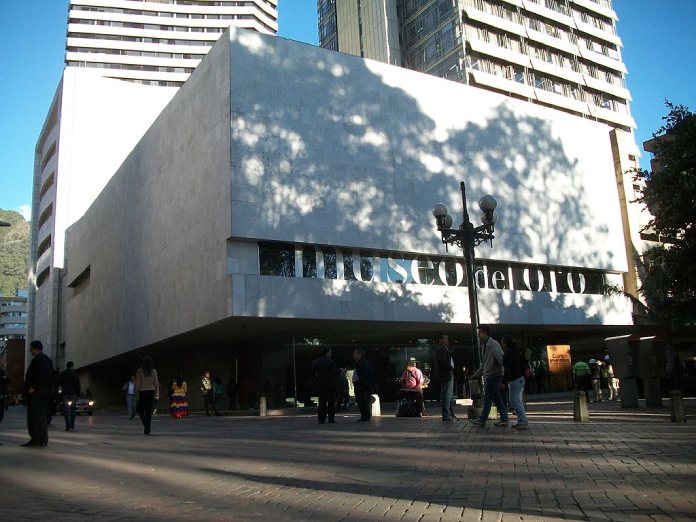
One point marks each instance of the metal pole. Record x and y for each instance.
(469, 258)
(294, 372)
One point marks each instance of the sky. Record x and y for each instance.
(659, 52)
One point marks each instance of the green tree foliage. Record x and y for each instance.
(14, 253)
(668, 271)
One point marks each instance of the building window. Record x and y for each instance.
(41, 278)
(46, 214)
(45, 245)
(47, 157)
(277, 259)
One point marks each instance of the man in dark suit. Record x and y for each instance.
(325, 372)
(38, 383)
(443, 368)
(362, 383)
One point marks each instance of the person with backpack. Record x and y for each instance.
(412, 381)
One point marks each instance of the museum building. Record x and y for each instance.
(282, 200)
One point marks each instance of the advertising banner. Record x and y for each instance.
(560, 369)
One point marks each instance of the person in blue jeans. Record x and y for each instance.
(514, 363)
(492, 371)
(443, 367)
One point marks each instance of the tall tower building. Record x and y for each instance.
(563, 54)
(156, 42)
(559, 53)
(124, 61)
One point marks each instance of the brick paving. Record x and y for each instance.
(622, 465)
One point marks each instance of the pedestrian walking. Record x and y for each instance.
(178, 403)
(147, 388)
(69, 383)
(363, 381)
(443, 372)
(581, 376)
(217, 394)
(325, 373)
(128, 390)
(595, 375)
(611, 380)
(492, 371)
(207, 392)
(342, 390)
(514, 364)
(38, 384)
(540, 374)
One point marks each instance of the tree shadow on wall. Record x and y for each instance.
(350, 153)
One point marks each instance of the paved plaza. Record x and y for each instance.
(622, 465)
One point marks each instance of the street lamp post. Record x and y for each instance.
(467, 237)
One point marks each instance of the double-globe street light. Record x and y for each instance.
(467, 237)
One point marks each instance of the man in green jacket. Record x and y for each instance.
(581, 374)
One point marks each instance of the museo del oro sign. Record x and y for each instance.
(324, 262)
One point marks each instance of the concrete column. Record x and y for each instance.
(629, 393)
(653, 392)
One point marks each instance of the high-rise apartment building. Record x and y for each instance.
(560, 53)
(124, 61)
(156, 42)
(563, 54)
(13, 317)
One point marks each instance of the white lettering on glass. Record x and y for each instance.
(416, 268)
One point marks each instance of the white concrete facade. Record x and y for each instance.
(323, 150)
(124, 60)
(93, 123)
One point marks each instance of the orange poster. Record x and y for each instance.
(560, 370)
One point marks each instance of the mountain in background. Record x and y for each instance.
(14, 253)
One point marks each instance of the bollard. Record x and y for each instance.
(375, 408)
(676, 406)
(263, 412)
(580, 413)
